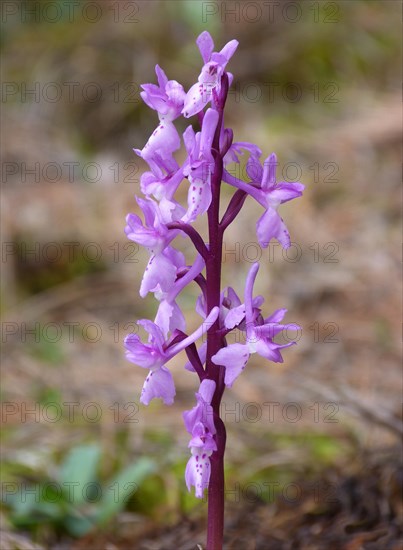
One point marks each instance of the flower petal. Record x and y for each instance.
(234, 358)
(207, 133)
(161, 76)
(276, 316)
(270, 226)
(169, 317)
(199, 199)
(154, 331)
(197, 98)
(158, 384)
(154, 97)
(189, 139)
(283, 192)
(197, 473)
(160, 271)
(269, 172)
(206, 45)
(141, 354)
(229, 49)
(161, 144)
(234, 316)
(270, 350)
(207, 389)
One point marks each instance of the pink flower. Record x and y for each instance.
(210, 77)
(259, 335)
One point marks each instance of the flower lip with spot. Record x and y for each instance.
(199, 422)
(201, 165)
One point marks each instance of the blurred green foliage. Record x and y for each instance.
(73, 501)
(82, 496)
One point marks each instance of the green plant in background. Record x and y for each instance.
(74, 501)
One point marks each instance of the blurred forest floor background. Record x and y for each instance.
(313, 454)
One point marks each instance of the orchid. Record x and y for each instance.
(159, 149)
(210, 77)
(259, 334)
(210, 149)
(155, 354)
(270, 195)
(200, 423)
(167, 98)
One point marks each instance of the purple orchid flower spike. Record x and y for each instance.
(155, 354)
(259, 336)
(210, 77)
(216, 362)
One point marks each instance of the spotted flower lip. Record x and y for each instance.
(199, 422)
(201, 165)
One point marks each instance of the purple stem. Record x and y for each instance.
(194, 236)
(215, 519)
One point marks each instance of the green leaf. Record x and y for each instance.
(121, 488)
(78, 526)
(78, 471)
